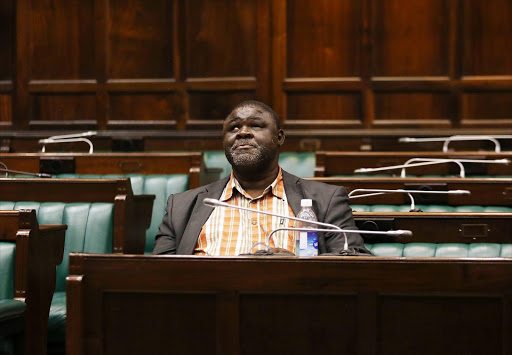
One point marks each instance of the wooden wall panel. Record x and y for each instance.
(5, 108)
(183, 64)
(410, 38)
(140, 39)
(412, 107)
(220, 38)
(322, 38)
(142, 107)
(63, 107)
(6, 39)
(61, 39)
(487, 105)
(487, 37)
(326, 106)
(210, 106)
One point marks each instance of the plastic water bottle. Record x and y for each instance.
(306, 243)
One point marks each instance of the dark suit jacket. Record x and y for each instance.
(186, 214)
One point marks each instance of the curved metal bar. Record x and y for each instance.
(66, 140)
(433, 160)
(497, 146)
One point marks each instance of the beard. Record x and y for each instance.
(252, 159)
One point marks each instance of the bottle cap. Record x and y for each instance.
(306, 202)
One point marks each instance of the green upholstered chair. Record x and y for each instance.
(11, 311)
(159, 185)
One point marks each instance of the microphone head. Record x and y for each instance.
(212, 202)
(403, 233)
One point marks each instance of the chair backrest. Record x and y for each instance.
(7, 255)
(161, 186)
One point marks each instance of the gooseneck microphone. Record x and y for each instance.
(432, 161)
(68, 138)
(356, 193)
(333, 228)
(8, 171)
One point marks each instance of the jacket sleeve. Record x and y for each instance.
(166, 237)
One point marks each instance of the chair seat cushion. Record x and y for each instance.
(451, 250)
(11, 308)
(57, 318)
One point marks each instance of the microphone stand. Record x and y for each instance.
(8, 171)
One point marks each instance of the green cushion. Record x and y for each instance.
(299, 164)
(159, 185)
(11, 308)
(217, 159)
(57, 318)
(7, 257)
(473, 250)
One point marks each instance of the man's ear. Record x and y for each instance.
(280, 137)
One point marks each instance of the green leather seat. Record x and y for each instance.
(301, 164)
(159, 185)
(90, 230)
(7, 307)
(473, 250)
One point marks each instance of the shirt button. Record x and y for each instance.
(254, 223)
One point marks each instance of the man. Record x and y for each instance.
(252, 137)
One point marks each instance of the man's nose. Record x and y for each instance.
(244, 131)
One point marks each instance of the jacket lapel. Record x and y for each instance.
(199, 216)
(294, 192)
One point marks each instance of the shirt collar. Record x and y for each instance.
(275, 188)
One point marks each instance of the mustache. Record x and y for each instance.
(243, 142)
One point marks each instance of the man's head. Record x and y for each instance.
(252, 136)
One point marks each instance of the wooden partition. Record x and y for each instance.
(39, 249)
(344, 163)
(437, 227)
(190, 163)
(181, 65)
(484, 191)
(132, 213)
(279, 305)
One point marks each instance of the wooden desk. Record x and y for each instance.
(344, 163)
(39, 249)
(190, 163)
(286, 305)
(484, 191)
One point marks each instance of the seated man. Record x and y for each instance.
(252, 136)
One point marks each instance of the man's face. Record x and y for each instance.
(250, 137)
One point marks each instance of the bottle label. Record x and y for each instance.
(308, 244)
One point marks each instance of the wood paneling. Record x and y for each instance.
(61, 39)
(63, 107)
(410, 38)
(487, 37)
(183, 64)
(5, 108)
(412, 106)
(325, 106)
(6, 39)
(485, 105)
(142, 107)
(140, 39)
(220, 38)
(322, 38)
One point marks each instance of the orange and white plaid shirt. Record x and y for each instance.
(229, 231)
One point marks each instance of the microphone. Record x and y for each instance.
(432, 161)
(67, 138)
(333, 228)
(447, 140)
(375, 192)
(7, 171)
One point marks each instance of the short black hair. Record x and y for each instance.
(265, 107)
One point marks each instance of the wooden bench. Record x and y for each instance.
(277, 305)
(344, 163)
(38, 250)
